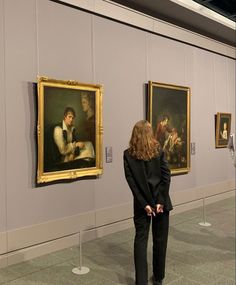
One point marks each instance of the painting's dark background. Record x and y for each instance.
(57, 99)
(171, 102)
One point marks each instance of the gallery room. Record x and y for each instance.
(75, 78)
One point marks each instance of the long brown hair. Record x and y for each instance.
(142, 143)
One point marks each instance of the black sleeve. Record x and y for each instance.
(133, 186)
(165, 180)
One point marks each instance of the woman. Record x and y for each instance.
(88, 107)
(148, 176)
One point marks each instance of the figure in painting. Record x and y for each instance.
(66, 145)
(88, 107)
(224, 132)
(63, 148)
(173, 147)
(162, 130)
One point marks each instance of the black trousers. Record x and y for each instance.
(160, 227)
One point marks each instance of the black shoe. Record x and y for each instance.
(156, 282)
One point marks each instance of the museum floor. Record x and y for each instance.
(196, 255)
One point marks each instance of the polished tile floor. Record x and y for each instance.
(196, 255)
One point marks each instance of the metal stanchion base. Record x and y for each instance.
(80, 270)
(204, 224)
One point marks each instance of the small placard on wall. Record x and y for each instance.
(193, 148)
(108, 154)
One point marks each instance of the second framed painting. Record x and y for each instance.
(169, 114)
(223, 126)
(69, 129)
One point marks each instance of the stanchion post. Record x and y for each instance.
(204, 223)
(81, 269)
(80, 250)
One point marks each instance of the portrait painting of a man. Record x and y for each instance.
(69, 141)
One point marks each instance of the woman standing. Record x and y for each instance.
(148, 176)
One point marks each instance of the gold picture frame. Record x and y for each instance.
(169, 114)
(223, 127)
(69, 130)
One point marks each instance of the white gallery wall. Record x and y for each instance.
(50, 39)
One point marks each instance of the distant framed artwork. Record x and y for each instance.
(169, 114)
(223, 126)
(69, 130)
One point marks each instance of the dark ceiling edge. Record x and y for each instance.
(175, 21)
(214, 7)
(139, 28)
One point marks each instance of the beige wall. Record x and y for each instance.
(46, 38)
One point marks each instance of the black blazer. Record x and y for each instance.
(149, 181)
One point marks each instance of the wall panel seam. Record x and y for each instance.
(5, 121)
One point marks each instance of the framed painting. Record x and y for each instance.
(223, 126)
(169, 114)
(69, 130)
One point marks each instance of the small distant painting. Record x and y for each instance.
(223, 126)
(169, 114)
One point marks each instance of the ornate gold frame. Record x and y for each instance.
(45, 86)
(168, 99)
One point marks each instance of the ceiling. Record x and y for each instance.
(171, 11)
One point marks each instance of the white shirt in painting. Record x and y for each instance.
(65, 146)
